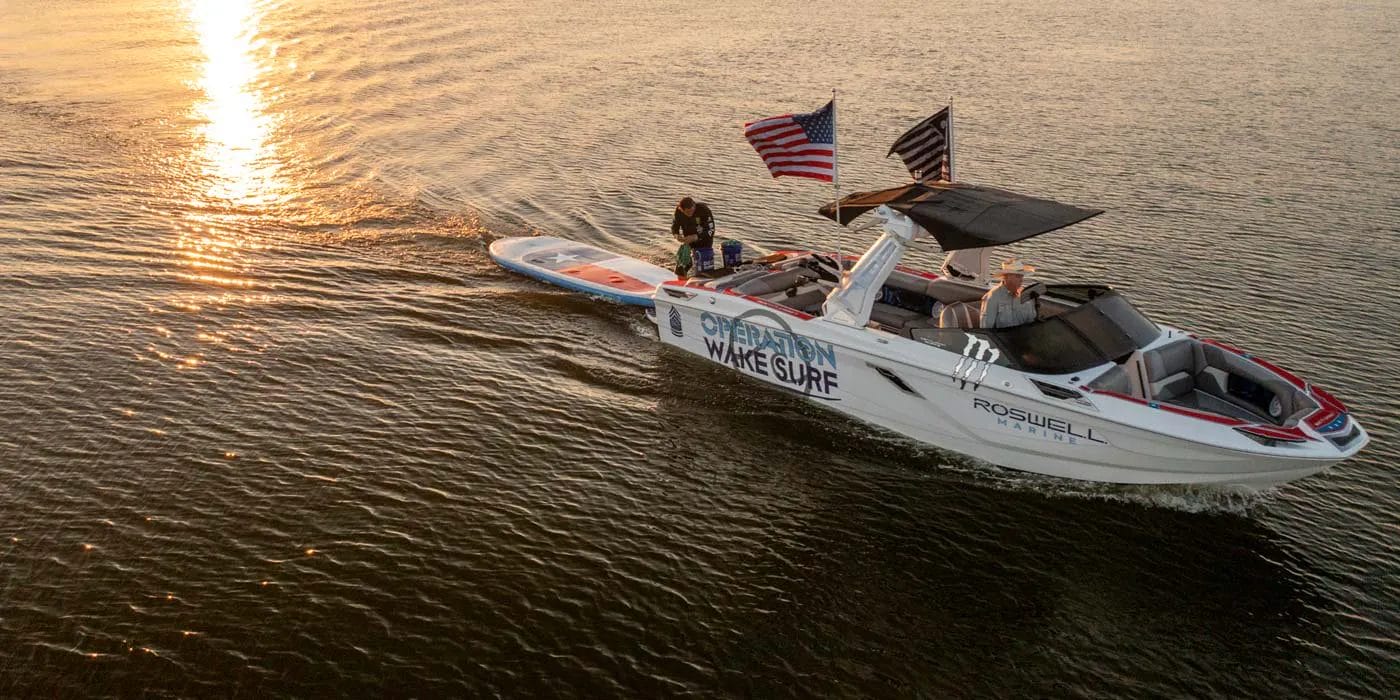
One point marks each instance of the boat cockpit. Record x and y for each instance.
(798, 281)
(1090, 332)
(803, 281)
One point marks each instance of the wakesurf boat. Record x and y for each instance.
(1091, 389)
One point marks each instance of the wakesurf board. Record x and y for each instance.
(581, 268)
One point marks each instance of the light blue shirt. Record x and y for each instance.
(1002, 309)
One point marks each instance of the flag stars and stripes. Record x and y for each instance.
(924, 148)
(799, 145)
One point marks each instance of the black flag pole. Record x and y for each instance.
(952, 176)
(836, 182)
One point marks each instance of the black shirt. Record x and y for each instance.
(701, 224)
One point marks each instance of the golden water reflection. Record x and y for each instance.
(237, 155)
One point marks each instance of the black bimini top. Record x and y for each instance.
(965, 216)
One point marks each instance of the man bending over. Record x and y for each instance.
(694, 226)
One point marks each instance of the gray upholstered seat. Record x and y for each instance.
(808, 298)
(735, 280)
(900, 319)
(1191, 373)
(776, 282)
(1172, 369)
(1221, 364)
(893, 316)
(949, 291)
(962, 314)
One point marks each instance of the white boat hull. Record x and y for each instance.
(999, 417)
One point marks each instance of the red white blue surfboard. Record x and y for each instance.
(581, 267)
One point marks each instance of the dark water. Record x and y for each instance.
(271, 423)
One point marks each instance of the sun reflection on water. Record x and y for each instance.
(237, 154)
(237, 185)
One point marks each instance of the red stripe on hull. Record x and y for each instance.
(1284, 374)
(1323, 417)
(1290, 377)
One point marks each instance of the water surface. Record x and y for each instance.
(272, 423)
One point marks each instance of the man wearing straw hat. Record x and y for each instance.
(1009, 304)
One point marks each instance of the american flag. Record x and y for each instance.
(924, 148)
(801, 145)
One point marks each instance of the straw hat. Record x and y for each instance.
(1012, 266)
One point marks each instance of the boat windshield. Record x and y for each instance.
(1104, 327)
(1099, 326)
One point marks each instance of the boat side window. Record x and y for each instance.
(1044, 347)
(1101, 332)
(1050, 346)
(1078, 293)
(1125, 316)
(1050, 307)
(1099, 326)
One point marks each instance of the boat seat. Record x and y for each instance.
(809, 297)
(962, 314)
(1190, 373)
(1172, 369)
(907, 282)
(900, 319)
(1227, 376)
(776, 282)
(950, 292)
(736, 279)
(894, 316)
(1205, 401)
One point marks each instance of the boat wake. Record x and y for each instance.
(1223, 499)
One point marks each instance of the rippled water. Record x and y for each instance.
(271, 421)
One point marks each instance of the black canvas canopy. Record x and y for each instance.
(965, 216)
